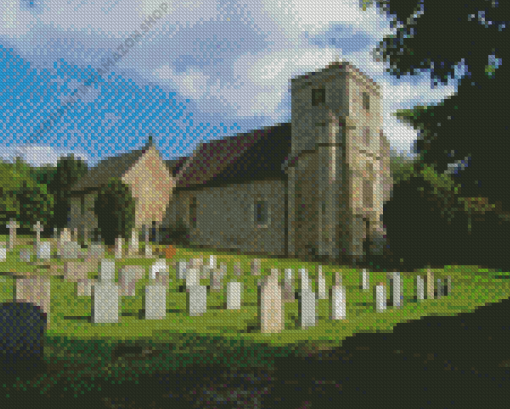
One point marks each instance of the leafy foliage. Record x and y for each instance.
(115, 211)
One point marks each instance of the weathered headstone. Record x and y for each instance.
(128, 277)
(181, 270)
(380, 297)
(70, 250)
(448, 285)
(338, 279)
(12, 226)
(160, 273)
(119, 241)
(22, 329)
(307, 307)
(256, 267)
(440, 288)
(216, 280)
(44, 251)
(74, 271)
(288, 287)
(35, 290)
(338, 303)
(107, 271)
(271, 314)
(365, 280)
(396, 289)
(212, 262)
(24, 255)
(234, 292)
(192, 277)
(303, 275)
(84, 287)
(420, 288)
(96, 251)
(155, 301)
(38, 228)
(430, 284)
(321, 286)
(105, 302)
(196, 300)
(65, 236)
(237, 269)
(134, 243)
(3, 253)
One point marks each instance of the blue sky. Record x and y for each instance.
(198, 70)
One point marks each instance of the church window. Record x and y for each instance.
(193, 212)
(261, 212)
(318, 96)
(366, 101)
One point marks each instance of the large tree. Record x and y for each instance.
(115, 211)
(69, 171)
(468, 129)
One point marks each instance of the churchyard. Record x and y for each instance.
(195, 300)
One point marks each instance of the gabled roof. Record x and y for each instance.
(114, 166)
(250, 156)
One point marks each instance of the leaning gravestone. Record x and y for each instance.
(22, 328)
(196, 300)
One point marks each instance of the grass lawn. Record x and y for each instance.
(228, 336)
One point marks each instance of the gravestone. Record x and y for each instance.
(234, 292)
(65, 236)
(181, 270)
(84, 287)
(134, 243)
(338, 303)
(3, 253)
(119, 241)
(196, 300)
(38, 229)
(256, 267)
(420, 288)
(35, 290)
(70, 250)
(430, 284)
(74, 271)
(160, 273)
(303, 275)
(155, 301)
(192, 277)
(223, 270)
(212, 262)
(96, 251)
(44, 251)
(271, 314)
(307, 307)
(448, 285)
(128, 277)
(22, 329)
(205, 272)
(105, 295)
(365, 280)
(321, 286)
(380, 297)
(237, 269)
(12, 226)
(148, 247)
(24, 255)
(288, 287)
(216, 280)
(440, 288)
(338, 279)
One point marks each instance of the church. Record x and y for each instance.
(312, 187)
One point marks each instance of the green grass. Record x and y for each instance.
(220, 335)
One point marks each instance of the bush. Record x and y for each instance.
(177, 234)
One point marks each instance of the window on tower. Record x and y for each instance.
(366, 101)
(318, 96)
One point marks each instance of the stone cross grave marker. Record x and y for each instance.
(271, 314)
(12, 226)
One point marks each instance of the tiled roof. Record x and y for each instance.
(255, 155)
(114, 166)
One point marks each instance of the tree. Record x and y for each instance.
(69, 171)
(115, 211)
(438, 38)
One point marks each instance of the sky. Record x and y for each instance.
(97, 77)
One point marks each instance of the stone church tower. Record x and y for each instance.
(335, 170)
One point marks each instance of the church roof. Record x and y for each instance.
(250, 156)
(114, 166)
